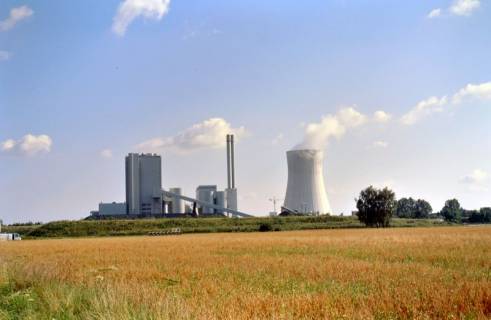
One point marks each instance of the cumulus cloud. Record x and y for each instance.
(8, 145)
(318, 134)
(209, 134)
(476, 177)
(4, 55)
(380, 144)
(458, 8)
(29, 144)
(423, 109)
(129, 10)
(432, 105)
(16, 15)
(476, 181)
(381, 116)
(477, 91)
(107, 153)
(279, 137)
(464, 7)
(434, 13)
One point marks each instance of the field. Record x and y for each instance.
(398, 273)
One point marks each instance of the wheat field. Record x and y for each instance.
(404, 273)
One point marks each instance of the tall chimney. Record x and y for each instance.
(232, 160)
(229, 176)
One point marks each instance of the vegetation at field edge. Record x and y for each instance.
(87, 228)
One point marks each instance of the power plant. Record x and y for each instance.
(305, 191)
(145, 196)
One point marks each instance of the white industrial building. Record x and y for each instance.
(145, 196)
(144, 184)
(306, 192)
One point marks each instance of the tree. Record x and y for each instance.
(406, 208)
(376, 207)
(481, 216)
(423, 209)
(452, 211)
(486, 213)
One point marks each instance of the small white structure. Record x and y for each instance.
(305, 192)
(206, 193)
(177, 204)
(10, 236)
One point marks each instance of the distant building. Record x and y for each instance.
(176, 204)
(112, 209)
(144, 184)
(206, 193)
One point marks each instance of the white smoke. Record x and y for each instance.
(318, 134)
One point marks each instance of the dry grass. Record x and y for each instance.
(439, 273)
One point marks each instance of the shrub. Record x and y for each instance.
(264, 227)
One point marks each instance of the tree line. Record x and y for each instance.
(377, 206)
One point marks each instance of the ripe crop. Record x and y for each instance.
(439, 273)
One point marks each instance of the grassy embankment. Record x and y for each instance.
(396, 273)
(192, 225)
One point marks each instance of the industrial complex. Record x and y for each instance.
(145, 196)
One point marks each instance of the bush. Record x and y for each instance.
(264, 227)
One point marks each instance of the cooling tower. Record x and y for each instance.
(305, 191)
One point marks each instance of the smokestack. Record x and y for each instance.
(231, 192)
(228, 163)
(305, 192)
(232, 160)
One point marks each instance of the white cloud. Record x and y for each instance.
(432, 105)
(209, 134)
(29, 144)
(423, 109)
(131, 9)
(107, 153)
(278, 139)
(380, 144)
(4, 55)
(476, 181)
(434, 13)
(464, 7)
(381, 116)
(8, 145)
(477, 176)
(476, 91)
(16, 15)
(317, 134)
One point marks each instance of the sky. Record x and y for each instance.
(396, 93)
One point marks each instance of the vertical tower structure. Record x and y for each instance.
(305, 191)
(231, 191)
(143, 183)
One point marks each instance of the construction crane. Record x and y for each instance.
(274, 200)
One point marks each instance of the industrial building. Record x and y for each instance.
(143, 184)
(145, 196)
(305, 191)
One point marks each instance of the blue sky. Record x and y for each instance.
(81, 85)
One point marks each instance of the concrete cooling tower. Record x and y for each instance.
(305, 191)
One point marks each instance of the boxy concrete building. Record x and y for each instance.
(143, 183)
